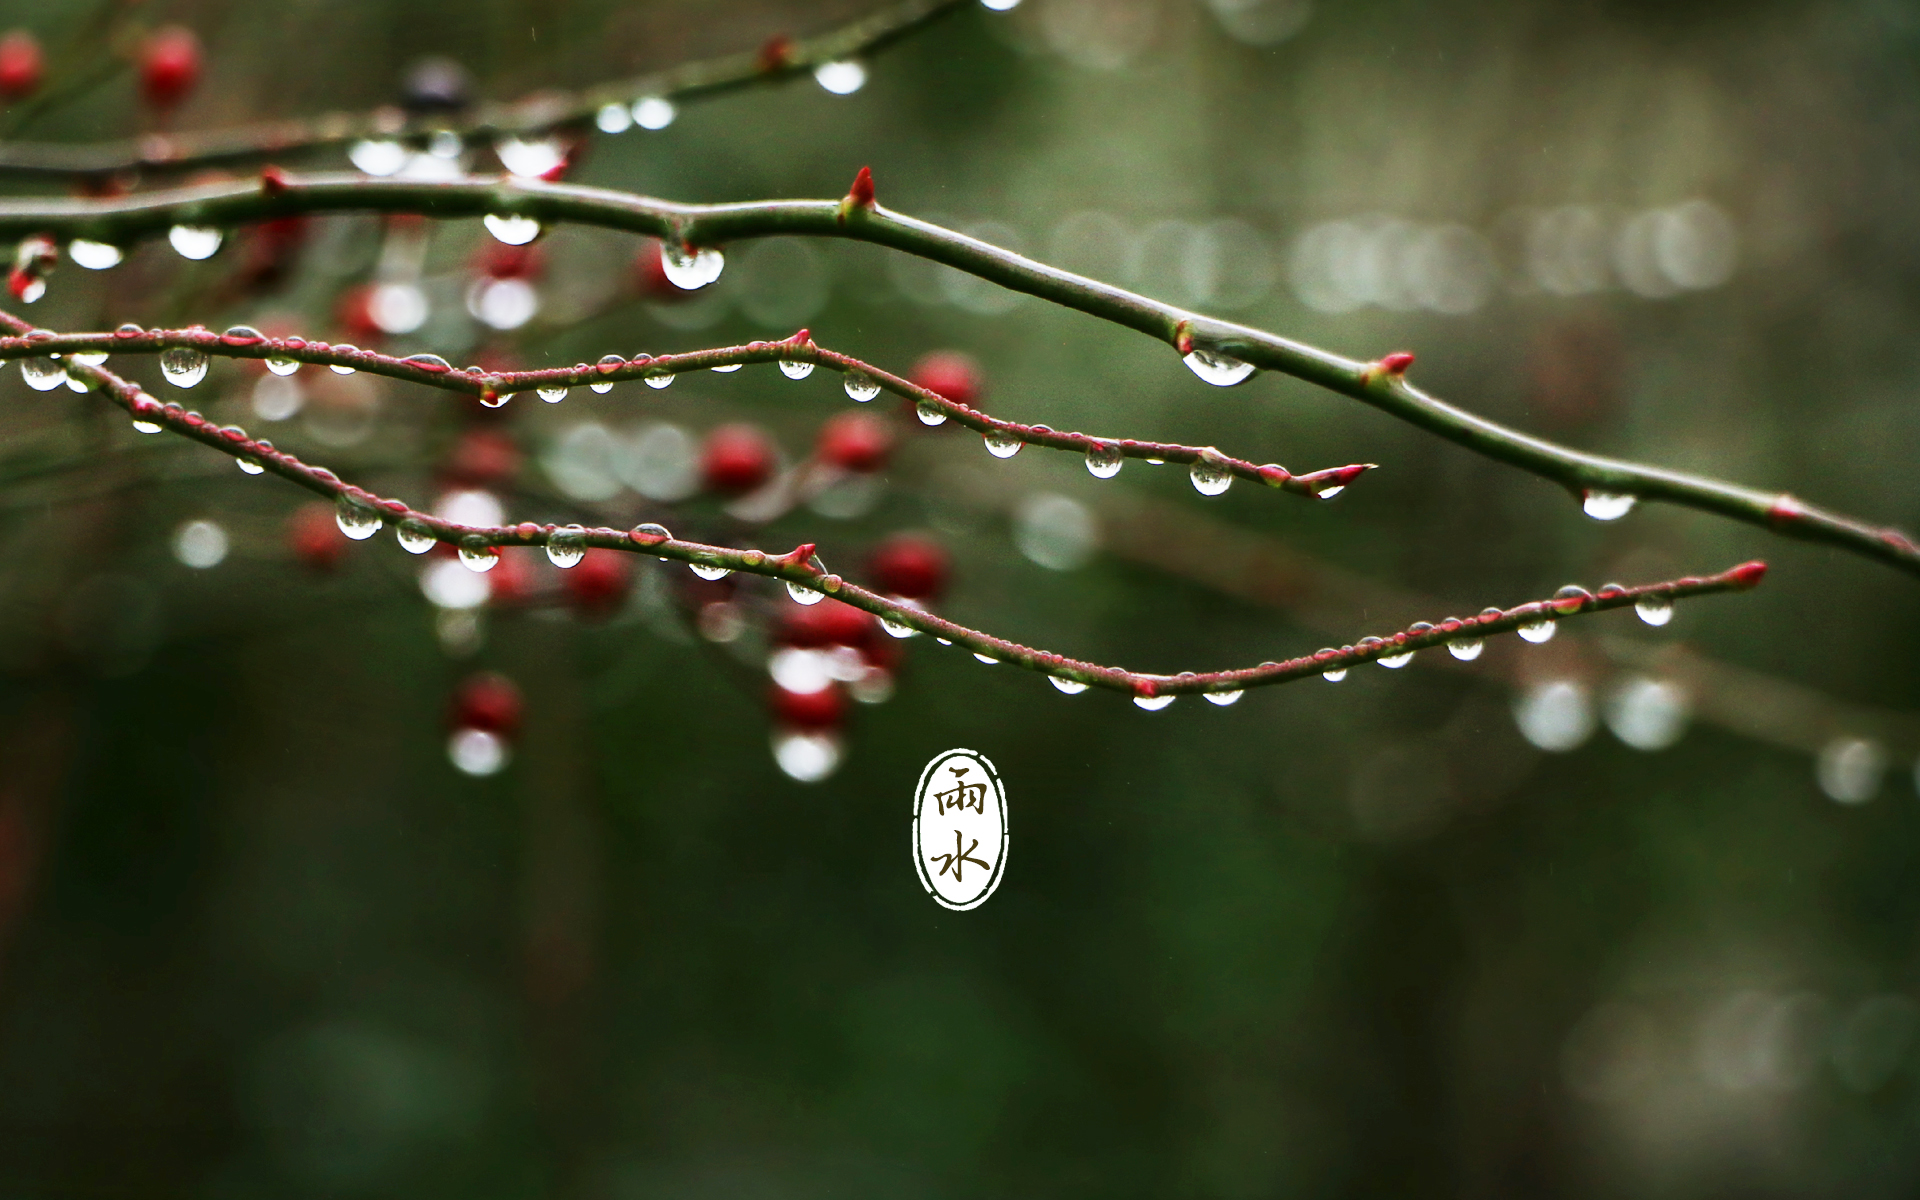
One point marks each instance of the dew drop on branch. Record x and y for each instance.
(1000, 5)
(342, 368)
(414, 536)
(842, 77)
(127, 330)
(1654, 609)
(567, 546)
(88, 358)
(795, 370)
(988, 659)
(709, 571)
(1466, 649)
(727, 369)
(690, 270)
(607, 362)
(377, 156)
(806, 757)
(1104, 460)
(1538, 631)
(529, 158)
(1335, 675)
(477, 752)
(860, 388)
(431, 362)
(94, 256)
(552, 395)
(663, 379)
(183, 366)
(802, 594)
(43, 374)
(1072, 687)
(1221, 370)
(1210, 476)
(654, 112)
(249, 465)
(283, 366)
(356, 519)
(929, 413)
(1002, 444)
(1607, 506)
(510, 229)
(242, 335)
(1154, 703)
(194, 241)
(1393, 662)
(476, 555)
(1223, 698)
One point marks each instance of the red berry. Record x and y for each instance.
(823, 709)
(169, 65)
(828, 623)
(497, 260)
(20, 64)
(315, 538)
(909, 565)
(481, 458)
(950, 374)
(511, 581)
(737, 459)
(650, 274)
(487, 701)
(855, 441)
(597, 585)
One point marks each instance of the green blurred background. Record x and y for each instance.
(1516, 930)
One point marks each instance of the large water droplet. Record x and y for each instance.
(1002, 444)
(652, 533)
(249, 465)
(1223, 698)
(512, 229)
(1072, 687)
(929, 413)
(1571, 598)
(283, 366)
(795, 370)
(1000, 5)
(94, 256)
(432, 362)
(567, 545)
(710, 571)
(183, 366)
(127, 329)
(1210, 476)
(1538, 631)
(341, 368)
(476, 555)
(377, 157)
(357, 520)
(654, 112)
(414, 536)
(728, 368)
(43, 374)
(860, 388)
(1104, 460)
(552, 395)
(242, 335)
(802, 594)
(1221, 370)
(607, 362)
(690, 270)
(88, 358)
(663, 379)
(1607, 506)
(842, 77)
(530, 158)
(1393, 662)
(898, 629)
(1154, 703)
(1654, 610)
(1466, 649)
(1335, 675)
(988, 659)
(194, 241)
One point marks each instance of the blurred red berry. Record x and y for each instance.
(823, 709)
(169, 65)
(650, 274)
(487, 701)
(597, 585)
(314, 537)
(737, 459)
(353, 312)
(482, 458)
(497, 260)
(271, 248)
(20, 64)
(511, 580)
(828, 623)
(855, 441)
(950, 374)
(910, 565)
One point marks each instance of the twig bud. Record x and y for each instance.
(859, 197)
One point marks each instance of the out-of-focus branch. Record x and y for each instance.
(1214, 347)
(498, 386)
(542, 112)
(362, 510)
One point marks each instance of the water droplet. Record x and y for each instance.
(530, 158)
(492, 399)
(929, 413)
(477, 752)
(898, 629)
(652, 533)
(1002, 444)
(432, 362)
(250, 465)
(512, 229)
(340, 368)
(1210, 476)
(129, 329)
(32, 289)
(607, 362)
(1072, 687)
(662, 380)
(806, 757)
(1335, 675)
(1223, 698)
(943, 641)
(1154, 703)
(1104, 460)
(476, 555)
(1607, 506)
(690, 270)
(842, 77)
(654, 112)
(194, 241)
(1328, 493)
(802, 594)
(1466, 649)
(552, 395)
(1393, 662)
(43, 374)
(94, 256)
(795, 370)
(860, 388)
(710, 570)
(567, 545)
(444, 143)
(1000, 5)
(88, 358)
(242, 335)
(987, 659)
(613, 118)
(1221, 370)
(1647, 714)
(414, 536)
(728, 369)
(283, 366)
(1654, 610)
(183, 366)
(1571, 599)
(200, 544)
(377, 157)
(78, 383)
(145, 427)
(1538, 631)
(357, 520)
(1556, 716)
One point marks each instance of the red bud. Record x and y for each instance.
(21, 68)
(169, 66)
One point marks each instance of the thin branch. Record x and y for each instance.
(500, 385)
(796, 568)
(1381, 384)
(540, 113)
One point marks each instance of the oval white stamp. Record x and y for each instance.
(960, 829)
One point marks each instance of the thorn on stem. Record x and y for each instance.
(859, 197)
(273, 181)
